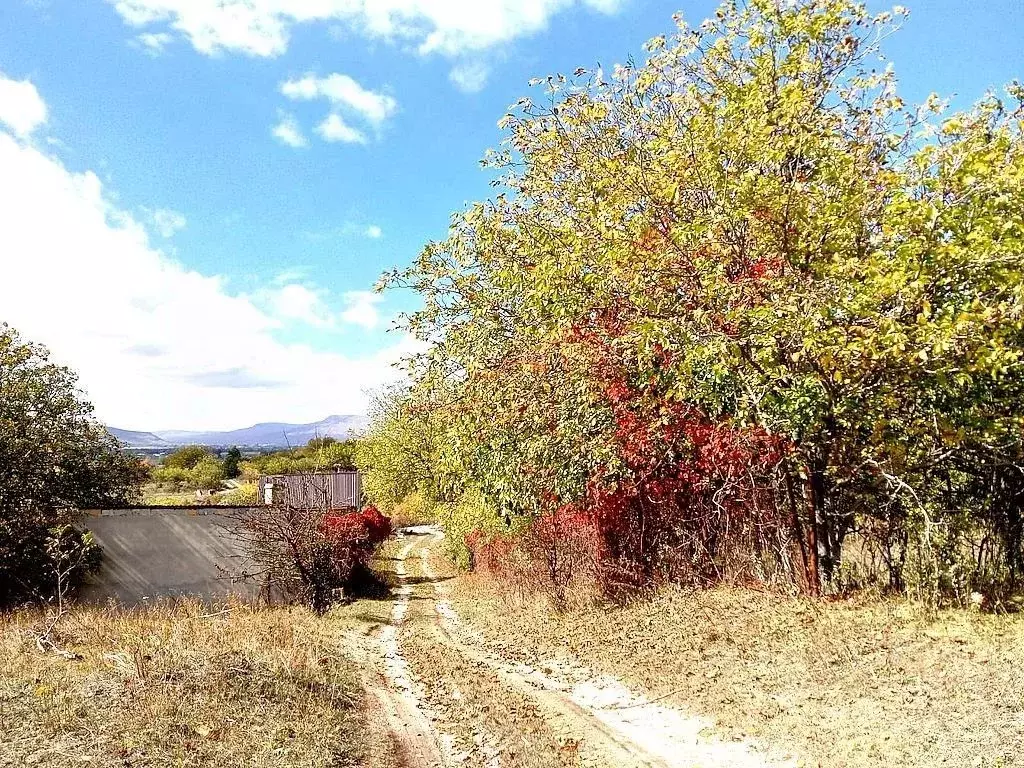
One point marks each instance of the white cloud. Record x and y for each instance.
(22, 109)
(295, 301)
(334, 128)
(262, 27)
(154, 42)
(287, 131)
(165, 221)
(343, 93)
(288, 302)
(256, 28)
(361, 309)
(374, 232)
(470, 77)
(157, 345)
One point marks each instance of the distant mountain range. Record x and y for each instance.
(268, 435)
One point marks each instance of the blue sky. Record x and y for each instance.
(167, 239)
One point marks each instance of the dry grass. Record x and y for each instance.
(184, 686)
(154, 495)
(847, 683)
(157, 495)
(412, 510)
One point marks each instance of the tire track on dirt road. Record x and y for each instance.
(589, 740)
(387, 679)
(612, 721)
(491, 726)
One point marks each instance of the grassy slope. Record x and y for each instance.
(840, 684)
(156, 495)
(182, 687)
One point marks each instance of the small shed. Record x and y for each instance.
(331, 490)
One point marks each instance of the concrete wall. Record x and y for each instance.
(151, 553)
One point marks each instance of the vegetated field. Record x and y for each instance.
(188, 685)
(838, 683)
(154, 495)
(157, 495)
(452, 668)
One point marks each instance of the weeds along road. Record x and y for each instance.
(451, 699)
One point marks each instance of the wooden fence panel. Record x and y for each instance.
(317, 490)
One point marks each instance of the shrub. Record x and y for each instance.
(558, 555)
(354, 537)
(53, 564)
(207, 474)
(169, 476)
(249, 471)
(245, 495)
(413, 509)
(311, 556)
(472, 518)
(186, 457)
(55, 459)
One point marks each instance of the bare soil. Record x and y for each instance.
(490, 709)
(455, 670)
(844, 683)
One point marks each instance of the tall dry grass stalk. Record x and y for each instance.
(184, 685)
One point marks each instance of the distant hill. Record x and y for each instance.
(137, 439)
(266, 435)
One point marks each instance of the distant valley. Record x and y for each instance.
(265, 435)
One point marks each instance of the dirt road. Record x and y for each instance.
(450, 698)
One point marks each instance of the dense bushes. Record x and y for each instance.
(740, 308)
(192, 467)
(400, 454)
(312, 556)
(196, 467)
(319, 454)
(245, 495)
(413, 509)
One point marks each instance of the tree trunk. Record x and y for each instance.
(810, 565)
(813, 547)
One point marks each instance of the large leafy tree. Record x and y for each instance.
(55, 459)
(187, 457)
(741, 300)
(231, 461)
(400, 454)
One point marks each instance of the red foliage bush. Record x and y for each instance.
(364, 529)
(687, 497)
(352, 538)
(312, 557)
(569, 543)
(558, 551)
(688, 491)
